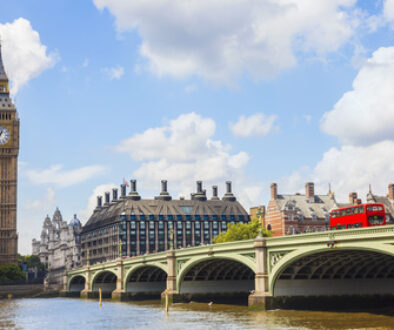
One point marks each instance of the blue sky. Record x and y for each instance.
(255, 92)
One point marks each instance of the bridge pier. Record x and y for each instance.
(85, 292)
(261, 297)
(119, 291)
(172, 292)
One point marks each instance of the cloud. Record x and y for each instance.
(92, 201)
(388, 10)
(257, 124)
(24, 55)
(55, 175)
(348, 168)
(183, 151)
(114, 72)
(365, 114)
(220, 40)
(48, 200)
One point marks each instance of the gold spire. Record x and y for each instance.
(4, 88)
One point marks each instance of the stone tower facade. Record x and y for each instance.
(9, 149)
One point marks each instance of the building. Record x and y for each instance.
(387, 201)
(257, 212)
(297, 213)
(9, 149)
(131, 226)
(59, 247)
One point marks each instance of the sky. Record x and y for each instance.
(252, 91)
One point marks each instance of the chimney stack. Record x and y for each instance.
(199, 187)
(107, 197)
(201, 194)
(353, 198)
(274, 191)
(133, 194)
(391, 191)
(114, 194)
(122, 190)
(229, 196)
(99, 201)
(310, 190)
(215, 193)
(164, 195)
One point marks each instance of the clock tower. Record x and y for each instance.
(9, 149)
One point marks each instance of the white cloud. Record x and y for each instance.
(24, 55)
(348, 169)
(388, 10)
(183, 151)
(219, 40)
(114, 72)
(366, 114)
(257, 124)
(48, 200)
(92, 201)
(62, 178)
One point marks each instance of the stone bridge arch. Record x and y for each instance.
(147, 280)
(219, 278)
(104, 279)
(75, 283)
(326, 271)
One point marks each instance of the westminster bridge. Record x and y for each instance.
(324, 264)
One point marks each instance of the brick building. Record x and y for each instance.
(297, 213)
(387, 201)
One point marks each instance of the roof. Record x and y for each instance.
(319, 205)
(128, 206)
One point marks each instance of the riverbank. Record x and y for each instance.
(26, 291)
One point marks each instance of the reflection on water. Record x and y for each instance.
(63, 313)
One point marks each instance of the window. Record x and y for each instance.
(224, 217)
(206, 217)
(290, 217)
(197, 225)
(214, 217)
(151, 217)
(361, 209)
(241, 217)
(179, 225)
(161, 217)
(232, 217)
(132, 224)
(151, 225)
(142, 225)
(206, 225)
(356, 210)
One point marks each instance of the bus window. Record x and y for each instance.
(333, 215)
(356, 210)
(358, 225)
(343, 213)
(343, 226)
(350, 226)
(361, 209)
(332, 228)
(349, 211)
(338, 226)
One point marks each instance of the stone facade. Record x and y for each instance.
(297, 213)
(9, 149)
(387, 201)
(59, 248)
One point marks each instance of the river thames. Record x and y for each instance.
(67, 313)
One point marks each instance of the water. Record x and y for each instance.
(66, 313)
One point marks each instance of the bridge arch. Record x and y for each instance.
(105, 280)
(145, 280)
(219, 278)
(325, 271)
(76, 283)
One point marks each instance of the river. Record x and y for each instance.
(67, 313)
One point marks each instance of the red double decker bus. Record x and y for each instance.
(356, 216)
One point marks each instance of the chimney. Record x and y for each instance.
(215, 193)
(99, 201)
(310, 190)
(391, 191)
(133, 194)
(200, 194)
(274, 191)
(358, 201)
(122, 190)
(164, 195)
(353, 198)
(199, 187)
(107, 197)
(228, 196)
(114, 194)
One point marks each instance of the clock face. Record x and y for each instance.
(4, 135)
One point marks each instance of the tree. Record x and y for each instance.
(11, 272)
(241, 231)
(31, 262)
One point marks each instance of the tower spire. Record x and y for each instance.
(4, 89)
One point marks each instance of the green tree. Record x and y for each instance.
(11, 272)
(31, 262)
(241, 231)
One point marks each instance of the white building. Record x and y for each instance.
(59, 248)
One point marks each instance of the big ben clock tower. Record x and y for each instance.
(9, 149)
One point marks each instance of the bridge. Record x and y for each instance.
(264, 271)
